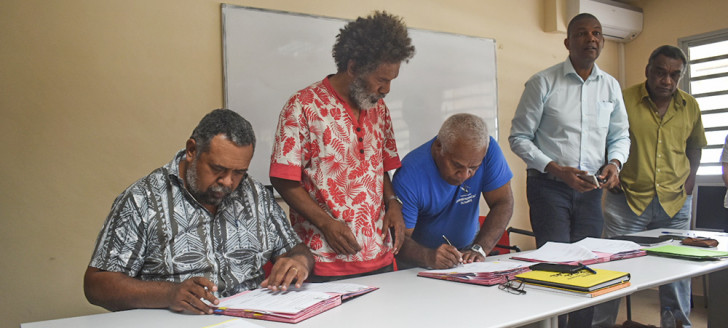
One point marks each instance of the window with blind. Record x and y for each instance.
(707, 80)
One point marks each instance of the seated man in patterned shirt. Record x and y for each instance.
(195, 229)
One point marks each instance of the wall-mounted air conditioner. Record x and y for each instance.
(620, 22)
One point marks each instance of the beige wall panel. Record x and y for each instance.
(96, 94)
(665, 21)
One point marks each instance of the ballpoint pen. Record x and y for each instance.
(447, 240)
(460, 260)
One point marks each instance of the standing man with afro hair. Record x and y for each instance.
(334, 147)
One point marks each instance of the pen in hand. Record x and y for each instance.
(460, 260)
(447, 240)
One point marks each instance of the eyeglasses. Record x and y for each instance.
(515, 287)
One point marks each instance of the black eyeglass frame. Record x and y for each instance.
(513, 286)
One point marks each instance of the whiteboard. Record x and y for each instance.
(270, 55)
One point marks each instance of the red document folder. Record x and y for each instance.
(261, 304)
(476, 273)
(475, 278)
(291, 317)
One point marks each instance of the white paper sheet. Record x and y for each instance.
(265, 300)
(333, 287)
(560, 252)
(611, 246)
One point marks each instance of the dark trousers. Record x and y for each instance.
(562, 214)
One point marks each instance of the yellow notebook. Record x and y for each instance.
(582, 280)
(595, 293)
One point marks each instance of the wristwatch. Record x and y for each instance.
(478, 249)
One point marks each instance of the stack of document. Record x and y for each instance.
(291, 306)
(581, 283)
(587, 251)
(479, 273)
(688, 253)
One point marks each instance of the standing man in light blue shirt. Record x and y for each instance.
(571, 122)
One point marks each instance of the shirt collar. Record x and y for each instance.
(677, 98)
(328, 86)
(173, 166)
(569, 69)
(362, 113)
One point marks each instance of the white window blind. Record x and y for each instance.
(707, 80)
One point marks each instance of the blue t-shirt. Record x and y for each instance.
(435, 208)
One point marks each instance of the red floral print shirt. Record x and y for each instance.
(340, 162)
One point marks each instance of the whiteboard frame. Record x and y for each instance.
(411, 126)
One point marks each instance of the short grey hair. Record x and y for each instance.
(226, 122)
(669, 52)
(464, 127)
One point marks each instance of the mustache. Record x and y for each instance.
(219, 188)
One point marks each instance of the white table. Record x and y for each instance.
(405, 300)
(664, 270)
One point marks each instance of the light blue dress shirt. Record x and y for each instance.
(573, 122)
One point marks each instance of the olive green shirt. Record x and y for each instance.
(658, 164)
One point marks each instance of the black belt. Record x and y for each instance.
(538, 174)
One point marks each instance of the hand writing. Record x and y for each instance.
(188, 296)
(444, 257)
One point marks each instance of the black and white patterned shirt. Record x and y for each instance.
(157, 231)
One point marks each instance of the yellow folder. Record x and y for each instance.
(582, 280)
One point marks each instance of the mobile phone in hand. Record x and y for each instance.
(589, 178)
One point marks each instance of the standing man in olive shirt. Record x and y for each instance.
(666, 135)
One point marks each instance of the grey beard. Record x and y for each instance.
(360, 97)
(204, 197)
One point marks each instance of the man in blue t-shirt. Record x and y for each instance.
(439, 185)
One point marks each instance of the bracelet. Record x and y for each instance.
(394, 197)
(615, 165)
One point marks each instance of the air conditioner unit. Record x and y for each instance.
(620, 22)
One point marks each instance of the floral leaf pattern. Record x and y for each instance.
(341, 173)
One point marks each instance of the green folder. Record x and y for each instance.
(684, 252)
